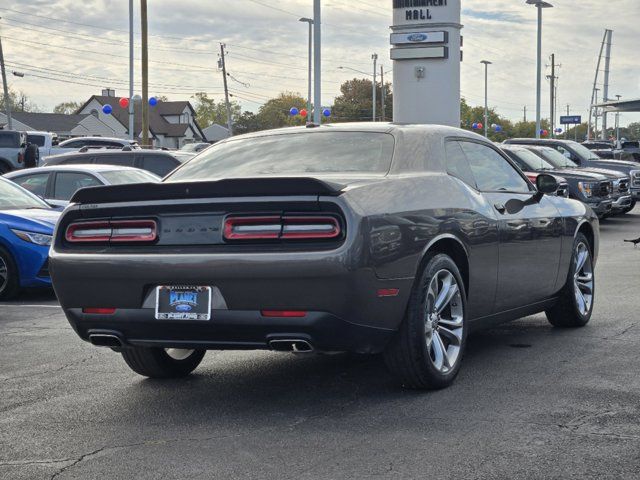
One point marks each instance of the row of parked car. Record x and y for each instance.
(31, 199)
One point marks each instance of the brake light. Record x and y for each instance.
(284, 228)
(118, 231)
(284, 313)
(99, 311)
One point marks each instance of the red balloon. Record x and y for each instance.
(545, 132)
(303, 112)
(124, 102)
(480, 126)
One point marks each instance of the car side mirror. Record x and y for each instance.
(546, 184)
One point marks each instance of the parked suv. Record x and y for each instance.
(590, 188)
(584, 157)
(157, 162)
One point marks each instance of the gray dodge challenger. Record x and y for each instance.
(364, 238)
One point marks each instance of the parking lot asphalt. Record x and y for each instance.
(531, 401)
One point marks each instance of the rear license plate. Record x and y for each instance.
(183, 302)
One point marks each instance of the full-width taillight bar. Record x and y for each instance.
(118, 231)
(285, 228)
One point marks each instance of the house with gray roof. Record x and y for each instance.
(65, 126)
(171, 124)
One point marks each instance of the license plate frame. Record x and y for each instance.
(183, 302)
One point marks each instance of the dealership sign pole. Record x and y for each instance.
(426, 54)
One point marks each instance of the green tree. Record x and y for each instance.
(67, 107)
(355, 103)
(275, 113)
(470, 115)
(246, 123)
(208, 111)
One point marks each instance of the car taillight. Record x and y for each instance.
(119, 231)
(99, 311)
(283, 228)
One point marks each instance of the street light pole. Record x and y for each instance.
(618, 121)
(317, 62)
(131, 102)
(486, 96)
(374, 57)
(310, 22)
(539, 4)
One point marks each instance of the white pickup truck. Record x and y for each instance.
(49, 146)
(12, 150)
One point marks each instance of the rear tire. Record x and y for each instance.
(162, 363)
(575, 305)
(31, 156)
(9, 279)
(426, 353)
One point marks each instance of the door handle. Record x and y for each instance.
(500, 207)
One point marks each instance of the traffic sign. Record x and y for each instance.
(571, 120)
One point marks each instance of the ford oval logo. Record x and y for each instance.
(183, 308)
(417, 37)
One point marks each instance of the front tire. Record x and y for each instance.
(575, 305)
(162, 362)
(426, 353)
(630, 207)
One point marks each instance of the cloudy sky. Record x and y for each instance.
(69, 49)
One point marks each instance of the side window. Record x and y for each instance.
(566, 153)
(74, 144)
(67, 183)
(37, 139)
(8, 140)
(492, 172)
(516, 159)
(458, 165)
(121, 160)
(36, 183)
(159, 164)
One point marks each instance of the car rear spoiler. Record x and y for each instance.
(236, 187)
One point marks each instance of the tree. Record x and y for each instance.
(275, 113)
(208, 111)
(246, 123)
(470, 115)
(67, 107)
(19, 102)
(355, 104)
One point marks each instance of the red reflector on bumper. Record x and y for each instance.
(99, 311)
(388, 292)
(283, 313)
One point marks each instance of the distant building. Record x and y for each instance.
(215, 133)
(65, 126)
(171, 124)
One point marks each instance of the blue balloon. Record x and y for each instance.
(498, 128)
(153, 101)
(294, 111)
(326, 112)
(107, 109)
(474, 126)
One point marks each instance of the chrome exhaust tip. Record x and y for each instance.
(294, 345)
(105, 340)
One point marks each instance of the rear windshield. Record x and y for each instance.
(121, 177)
(37, 139)
(296, 154)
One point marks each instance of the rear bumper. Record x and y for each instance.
(230, 330)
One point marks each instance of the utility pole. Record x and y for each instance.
(552, 78)
(525, 114)
(223, 66)
(383, 93)
(7, 99)
(374, 57)
(566, 126)
(317, 63)
(145, 74)
(595, 134)
(132, 133)
(310, 81)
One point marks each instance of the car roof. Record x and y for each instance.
(88, 168)
(379, 127)
(107, 152)
(108, 139)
